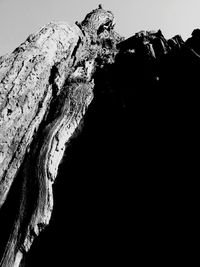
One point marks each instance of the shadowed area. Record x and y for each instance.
(118, 186)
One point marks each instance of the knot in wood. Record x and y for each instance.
(97, 19)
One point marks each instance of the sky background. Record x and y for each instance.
(19, 18)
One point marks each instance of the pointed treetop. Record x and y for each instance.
(100, 6)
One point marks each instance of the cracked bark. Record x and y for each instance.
(46, 87)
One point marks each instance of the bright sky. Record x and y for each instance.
(19, 18)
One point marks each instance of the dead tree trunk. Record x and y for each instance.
(46, 87)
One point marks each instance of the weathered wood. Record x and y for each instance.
(46, 87)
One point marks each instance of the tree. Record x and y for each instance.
(46, 87)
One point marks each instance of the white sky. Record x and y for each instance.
(19, 18)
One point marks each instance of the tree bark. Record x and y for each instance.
(46, 87)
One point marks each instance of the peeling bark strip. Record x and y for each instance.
(46, 87)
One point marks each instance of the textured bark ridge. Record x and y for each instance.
(46, 87)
